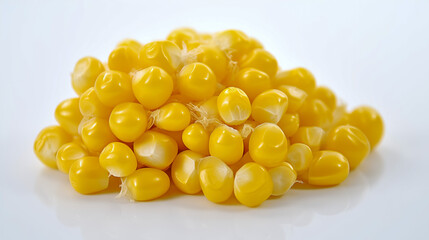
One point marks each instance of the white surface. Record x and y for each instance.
(368, 52)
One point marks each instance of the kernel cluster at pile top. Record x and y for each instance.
(212, 113)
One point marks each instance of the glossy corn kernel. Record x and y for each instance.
(172, 117)
(255, 44)
(68, 153)
(113, 88)
(296, 97)
(163, 54)
(96, 134)
(261, 60)
(245, 159)
(268, 145)
(182, 36)
(253, 82)
(326, 96)
(68, 115)
(369, 121)
(196, 81)
(156, 150)
(234, 42)
(252, 184)
(283, 177)
(87, 176)
(216, 179)
(269, 106)
(184, 172)
(298, 77)
(328, 168)
(234, 106)
(196, 138)
(152, 87)
(289, 123)
(124, 59)
(91, 106)
(226, 144)
(128, 121)
(85, 73)
(215, 59)
(299, 156)
(314, 112)
(310, 136)
(118, 159)
(147, 184)
(349, 141)
(176, 135)
(135, 45)
(47, 143)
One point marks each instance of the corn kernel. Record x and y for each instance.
(226, 144)
(124, 59)
(91, 106)
(176, 135)
(128, 121)
(47, 143)
(269, 106)
(369, 121)
(184, 172)
(85, 73)
(252, 184)
(283, 177)
(135, 45)
(68, 153)
(299, 156)
(328, 168)
(197, 82)
(253, 82)
(314, 112)
(326, 96)
(261, 60)
(298, 77)
(216, 179)
(255, 44)
(246, 130)
(118, 159)
(68, 115)
(245, 159)
(163, 54)
(289, 123)
(152, 87)
(87, 176)
(182, 36)
(156, 150)
(296, 97)
(196, 138)
(96, 134)
(147, 184)
(215, 59)
(210, 107)
(310, 136)
(113, 88)
(233, 106)
(268, 145)
(234, 42)
(172, 117)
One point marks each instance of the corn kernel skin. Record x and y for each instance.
(85, 73)
(118, 159)
(197, 82)
(184, 172)
(147, 184)
(289, 123)
(349, 141)
(369, 121)
(176, 135)
(216, 179)
(87, 176)
(152, 87)
(261, 60)
(182, 36)
(310, 136)
(296, 97)
(253, 82)
(283, 177)
(234, 42)
(215, 59)
(299, 156)
(47, 143)
(298, 77)
(173, 117)
(328, 168)
(68, 115)
(91, 106)
(163, 54)
(128, 121)
(96, 134)
(234, 106)
(196, 138)
(252, 184)
(226, 144)
(113, 88)
(130, 43)
(68, 153)
(326, 96)
(124, 59)
(269, 106)
(314, 112)
(268, 145)
(155, 150)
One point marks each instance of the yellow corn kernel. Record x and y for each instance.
(252, 184)
(96, 134)
(85, 73)
(184, 172)
(310, 136)
(314, 112)
(91, 106)
(216, 179)
(328, 168)
(147, 184)
(182, 36)
(68, 115)
(261, 60)
(289, 123)
(349, 141)
(176, 135)
(196, 81)
(255, 44)
(233, 106)
(196, 138)
(87, 176)
(124, 59)
(118, 159)
(326, 96)
(130, 43)
(152, 87)
(68, 153)
(215, 59)
(283, 177)
(295, 96)
(163, 54)
(113, 88)
(268, 145)
(234, 42)
(210, 107)
(246, 130)
(269, 106)
(172, 117)
(47, 143)
(369, 121)
(299, 156)
(128, 121)
(245, 159)
(226, 144)
(253, 82)
(298, 77)
(156, 150)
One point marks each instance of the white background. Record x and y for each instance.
(368, 52)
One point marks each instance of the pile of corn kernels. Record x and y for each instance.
(211, 113)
